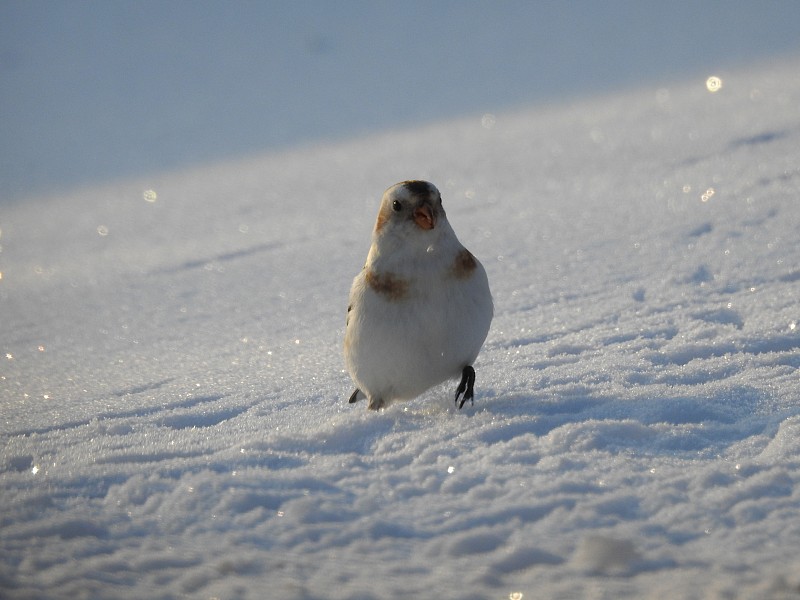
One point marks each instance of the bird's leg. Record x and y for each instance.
(466, 385)
(374, 403)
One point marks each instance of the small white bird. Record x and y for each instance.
(421, 307)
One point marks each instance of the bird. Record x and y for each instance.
(420, 309)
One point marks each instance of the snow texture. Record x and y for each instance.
(93, 91)
(175, 417)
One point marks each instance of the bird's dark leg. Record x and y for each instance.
(374, 403)
(466, 385)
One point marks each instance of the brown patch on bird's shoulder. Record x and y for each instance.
(387, 284)
(464, 264)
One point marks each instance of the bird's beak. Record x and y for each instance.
(424, 217)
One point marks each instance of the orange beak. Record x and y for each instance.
(424, 218)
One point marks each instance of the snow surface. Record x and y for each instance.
(92, 91)
(175, 418)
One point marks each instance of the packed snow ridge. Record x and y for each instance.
(175, 417)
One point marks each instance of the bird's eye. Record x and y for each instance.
(397, 206)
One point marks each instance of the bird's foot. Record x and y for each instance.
(466, 386)
(376, 404)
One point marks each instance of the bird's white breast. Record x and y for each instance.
(418, 324)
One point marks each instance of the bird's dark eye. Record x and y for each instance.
(397, 206)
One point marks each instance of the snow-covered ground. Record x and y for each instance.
(175, 419)
(94, 91)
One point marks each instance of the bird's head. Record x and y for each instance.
(410, 208)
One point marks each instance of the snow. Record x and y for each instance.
(175, 417)
(94, 91)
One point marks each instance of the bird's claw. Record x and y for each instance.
(466, 386)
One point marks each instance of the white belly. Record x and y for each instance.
(395, 350)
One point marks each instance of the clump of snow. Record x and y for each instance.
(600, 554)
(175, 418)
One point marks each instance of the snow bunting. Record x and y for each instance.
(420, 308)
